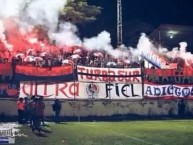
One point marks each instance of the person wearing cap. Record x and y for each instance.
(20, 108)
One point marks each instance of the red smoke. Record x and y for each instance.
(36, 39)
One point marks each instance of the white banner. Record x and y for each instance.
(118, 75)
(111, 91)
(67, 90)
(81, 90)
(167, 90)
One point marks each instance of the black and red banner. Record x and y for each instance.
(168, 84)
(5, 72)
(29, 73)
(168, 76)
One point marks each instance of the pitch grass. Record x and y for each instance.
(168, 132)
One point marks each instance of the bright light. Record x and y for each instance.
(172, 33)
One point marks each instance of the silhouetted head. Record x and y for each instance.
(32, 97)
(41, 97)
(21, 99)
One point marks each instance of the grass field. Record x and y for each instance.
(166, 132)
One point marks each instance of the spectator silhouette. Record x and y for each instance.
(20, 108)
(31, 107)
(36, 113)
(42, 108)
(26, 109)
(57, 108)
(181, 107)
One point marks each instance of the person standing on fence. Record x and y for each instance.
(57, 106)
(20, 108)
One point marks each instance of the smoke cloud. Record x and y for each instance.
(145, 45)
(35, 12)
(11, 8)
(66, 35)
(44, 12)
(102, 42)
(3, 38)
(19, 31)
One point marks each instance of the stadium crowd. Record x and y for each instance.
(76, 57)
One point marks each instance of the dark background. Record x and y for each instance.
(138, 16)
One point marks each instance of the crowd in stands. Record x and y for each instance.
(77, 57)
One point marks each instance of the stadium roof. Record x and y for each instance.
(170, 36)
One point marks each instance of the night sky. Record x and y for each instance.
(139, 16)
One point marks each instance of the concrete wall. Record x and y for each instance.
(105, 108)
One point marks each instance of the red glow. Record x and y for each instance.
(36, 39)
